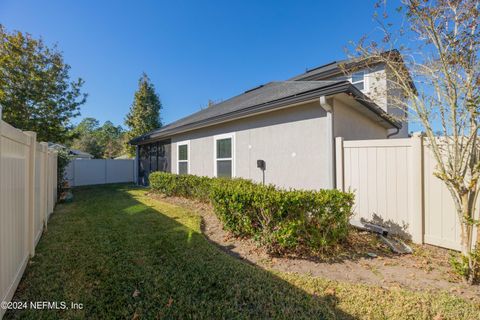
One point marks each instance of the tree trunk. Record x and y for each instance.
(466, 214)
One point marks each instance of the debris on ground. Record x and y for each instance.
(394, 243)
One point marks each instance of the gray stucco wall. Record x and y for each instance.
(351, 125)
(378, 87)
(291, 141)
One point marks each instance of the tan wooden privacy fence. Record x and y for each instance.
(28, 193)
(394, 186)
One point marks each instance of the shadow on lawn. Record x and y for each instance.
(359, 245)
(123, 255)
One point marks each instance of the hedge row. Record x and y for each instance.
(282, 220)
(188, 186)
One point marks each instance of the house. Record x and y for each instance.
(76, 154)
(282, 132)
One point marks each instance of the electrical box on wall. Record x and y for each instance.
(261, 164)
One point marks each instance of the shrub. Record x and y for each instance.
(187, 186)
(63, 159)
(460, 264)
(282, 220)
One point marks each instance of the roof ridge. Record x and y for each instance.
(321, 66)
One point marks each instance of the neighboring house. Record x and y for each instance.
(290, 125)
(76, 154)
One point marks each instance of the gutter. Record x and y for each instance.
(307, 96)
(397, 130)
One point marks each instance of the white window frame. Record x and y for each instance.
(179, 144)
(365, 82)
(215, 159)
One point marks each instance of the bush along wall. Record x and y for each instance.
(281, 220)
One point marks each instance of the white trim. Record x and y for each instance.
(219, 137)
(179, 144)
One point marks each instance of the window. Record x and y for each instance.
(224, 156)
(358, 80)
(183, 153)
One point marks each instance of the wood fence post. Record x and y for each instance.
(416, 189)
(31, 191)
(339, 163)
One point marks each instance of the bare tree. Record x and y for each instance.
(434, 75)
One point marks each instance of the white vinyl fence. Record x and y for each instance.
(83, 172)
(28, 193)
(394, 186)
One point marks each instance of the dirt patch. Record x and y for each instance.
(362, 259)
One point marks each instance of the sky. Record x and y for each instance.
(193, 51)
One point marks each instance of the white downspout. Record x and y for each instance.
(330, 160)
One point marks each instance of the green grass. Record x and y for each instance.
(114, 240)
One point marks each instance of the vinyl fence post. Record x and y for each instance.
(45, 183)
(55, 175)
(416, 188)
(339, 163)
(31, 191)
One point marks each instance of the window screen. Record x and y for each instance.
(224, 168)
(183, 159)
(224, 148)
(224, 161)
(183, 168)
(183, 152)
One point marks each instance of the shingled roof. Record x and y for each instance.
(323, 71)
(264, 98)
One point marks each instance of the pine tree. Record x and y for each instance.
(144, 115)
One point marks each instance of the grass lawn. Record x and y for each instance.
(124, 255)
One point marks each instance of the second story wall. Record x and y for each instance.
(375, 83)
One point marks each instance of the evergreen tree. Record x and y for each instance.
(35, 88)
(144, 115)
